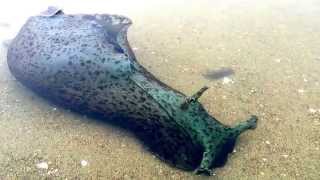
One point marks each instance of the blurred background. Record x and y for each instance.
(258, 56)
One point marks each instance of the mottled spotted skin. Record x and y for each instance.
(85, 63)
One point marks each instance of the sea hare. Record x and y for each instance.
(84, 62)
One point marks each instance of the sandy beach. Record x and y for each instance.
(270, 49)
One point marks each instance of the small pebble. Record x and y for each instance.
(42, 165)
(312, 110)
(301, 91)
(52, 171)
(84, 163)
(264, 159)
(227, 80)
(252, 91)
(282, 174)
(277, 60)
(185, 69)
(126, 176)
(285, 155)
(268, 142)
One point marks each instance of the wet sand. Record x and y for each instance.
(272, 50)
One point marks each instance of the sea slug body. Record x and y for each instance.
(84, 62)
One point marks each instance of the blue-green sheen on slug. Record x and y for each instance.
(84, 62)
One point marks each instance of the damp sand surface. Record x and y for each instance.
(258, 57)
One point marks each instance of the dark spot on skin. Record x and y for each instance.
(146, 107)
(132, 103)
(142, 99)
(114, 77)
(82, 79)
(97, 73)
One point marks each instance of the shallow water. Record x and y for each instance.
(271, 48)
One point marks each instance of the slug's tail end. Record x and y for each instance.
(251, 123)
(216, 155)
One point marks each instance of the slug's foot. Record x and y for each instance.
(252, 122)
(203, 171)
